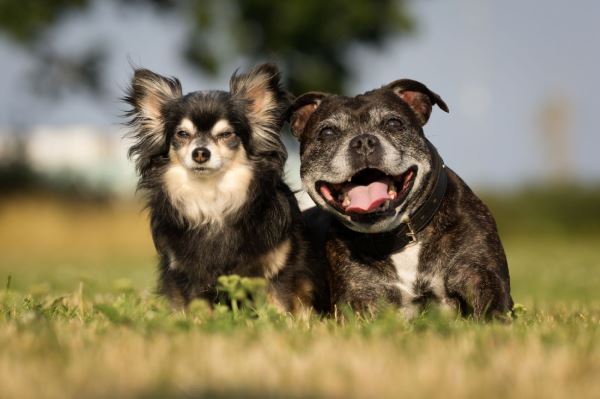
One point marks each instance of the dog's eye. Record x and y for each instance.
(224, 135)
(182, 134)
(394, 124)
(326, 132)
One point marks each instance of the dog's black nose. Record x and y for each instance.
(365, 144)
(200, 154)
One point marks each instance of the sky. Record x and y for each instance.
(494, 63)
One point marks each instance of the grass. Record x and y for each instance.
(78, 319)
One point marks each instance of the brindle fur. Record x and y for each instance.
(461, 262)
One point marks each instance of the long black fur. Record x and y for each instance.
(192, 256)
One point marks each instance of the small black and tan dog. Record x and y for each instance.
(211, 165)
(401, 226)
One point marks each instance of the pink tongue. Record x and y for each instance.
(366, 198)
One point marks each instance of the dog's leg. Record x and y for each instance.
(364, 285)
(172, 285)
(341, 275)
(293, 294)
(480, 290)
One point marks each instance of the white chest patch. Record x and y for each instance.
(406, 264)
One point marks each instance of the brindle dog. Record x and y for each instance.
(401, 226)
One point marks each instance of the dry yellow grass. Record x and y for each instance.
(78, 321)
(491, 362)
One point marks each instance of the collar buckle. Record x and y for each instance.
(411, 234)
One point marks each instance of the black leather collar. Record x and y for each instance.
(383, 244)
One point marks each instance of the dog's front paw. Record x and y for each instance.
(482, 294)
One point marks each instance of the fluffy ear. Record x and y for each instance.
(266, 101)
(302, 109)
(147, 96)
(418, 97)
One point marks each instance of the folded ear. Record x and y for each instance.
(147, 95)
(266, 102)
(300, 112)
(418, 97)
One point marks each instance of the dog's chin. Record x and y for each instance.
(370, 201)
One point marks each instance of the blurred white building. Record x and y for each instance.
(95, 155)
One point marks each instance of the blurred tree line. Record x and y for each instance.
(309, 38)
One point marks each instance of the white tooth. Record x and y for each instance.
(349, 179)
(392, 194)
(346, 201)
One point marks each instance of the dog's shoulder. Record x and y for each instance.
(465, 206)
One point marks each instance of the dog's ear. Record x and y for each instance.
(418, 97)
(147, 96)
(261, 92)
(261, 88)
(300, 112)
(148, 93)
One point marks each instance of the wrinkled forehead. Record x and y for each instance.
(371, 107)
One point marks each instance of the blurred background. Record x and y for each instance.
(520, 79)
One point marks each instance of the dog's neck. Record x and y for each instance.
(389, 242)
(420, 218)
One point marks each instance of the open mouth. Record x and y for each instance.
(369, 191)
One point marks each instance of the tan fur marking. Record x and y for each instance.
(298, 302)
(273, 299)
(221, 126)
(173, 264)
(187, 126)
(302, 298)
(275, 260)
